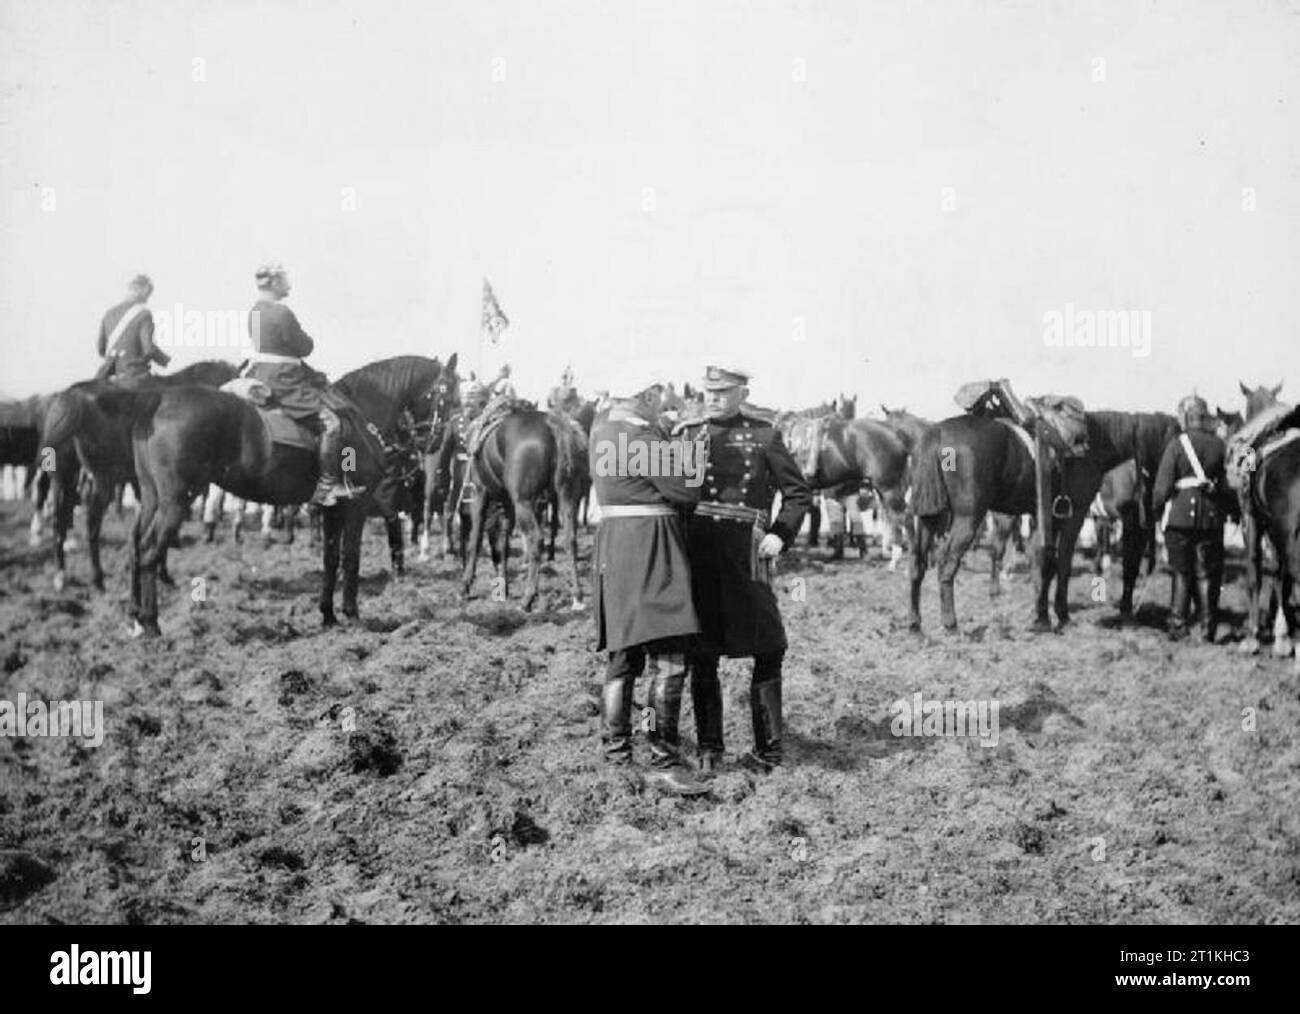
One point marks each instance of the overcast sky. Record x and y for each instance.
(879, 198)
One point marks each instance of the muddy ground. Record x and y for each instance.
(438, 761)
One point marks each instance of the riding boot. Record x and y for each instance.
(331, 488)
(616, 708)
(837, 546)
(765, 710)
(1213, 586)
(706, 698)
(860, 543)
(210, 531)
(668, 772)
(1178, 608)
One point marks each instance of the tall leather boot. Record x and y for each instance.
(706, 698)
(667, 770)
(765, 710)
(1178, 607)
(331, 488)
(616, 709)
(1213, 586)
(837, 546)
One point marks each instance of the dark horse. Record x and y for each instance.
(78, 432)
(521, 466)
(969, 465)
(186, 438)
(1269, 493)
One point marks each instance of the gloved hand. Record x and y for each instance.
(771, 546)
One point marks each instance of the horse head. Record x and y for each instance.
(1065, 421)
(1259, 399)
(1228, 422)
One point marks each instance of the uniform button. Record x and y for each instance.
(713, 490)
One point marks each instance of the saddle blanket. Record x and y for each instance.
(282, 429)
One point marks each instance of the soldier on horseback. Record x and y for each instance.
(1192, 481)
(279, 346)
(731, 545)
(126, 337)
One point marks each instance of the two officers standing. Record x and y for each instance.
(682, 569)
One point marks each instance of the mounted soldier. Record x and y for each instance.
(1192, 481)
(731, 542)
(126, 337)
(279, 347)
(644, 608)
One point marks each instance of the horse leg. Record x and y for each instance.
(477, 509)
(95, 510)
(922, 540)
(332, 530)
(167, 518)
(1133, 541)
(1067, 535)
(999, 534)
(568, 507)
(814, 522)
(1251, 537)
(65, 484)
(553, 515)
(503, 533)
(354, 526)
(958, 540)
(212, 504)
(396, 545)
(532, 532)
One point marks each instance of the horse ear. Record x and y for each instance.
(1244, 389)
(1278, 388)
(451, 363)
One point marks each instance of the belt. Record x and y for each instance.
(638, 511)
(732, 512)
(1190, 482)
(271, 357)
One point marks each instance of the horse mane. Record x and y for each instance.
(1140, 435)
(205, 373)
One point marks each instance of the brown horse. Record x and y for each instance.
(969, 465)
(1269, 495)
(519, 466)
(186, 438)
(79, 434)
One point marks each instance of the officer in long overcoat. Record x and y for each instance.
(643, 481)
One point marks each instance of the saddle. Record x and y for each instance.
(280, 427)
(494, 414)
(1261, 438)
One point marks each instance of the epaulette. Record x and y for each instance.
(692, 421)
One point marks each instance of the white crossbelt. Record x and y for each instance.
(132, 312)
(1198, 480)
(637, 511)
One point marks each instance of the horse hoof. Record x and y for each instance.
(329, 620)
(144, 630)
(59, 581)
(1249, 646)
(1042, 625)
(578, 606)
(1282, 647)
(99, 584)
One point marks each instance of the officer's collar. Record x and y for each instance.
(619, 414)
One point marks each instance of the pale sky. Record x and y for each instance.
(877, 198)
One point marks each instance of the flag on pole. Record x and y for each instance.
(494, 321)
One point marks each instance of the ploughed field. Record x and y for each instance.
(439, 761)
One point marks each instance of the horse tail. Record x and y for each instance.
(63, 418)
(929, 492)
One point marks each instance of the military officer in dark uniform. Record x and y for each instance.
(126, 337)
(1191, 480)
(279, 347)
(642, 578)
(731, 541)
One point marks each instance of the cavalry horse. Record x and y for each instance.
(520, 464)
(186, 438)
(969, 465)
(78, 432)
(1265, 468)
